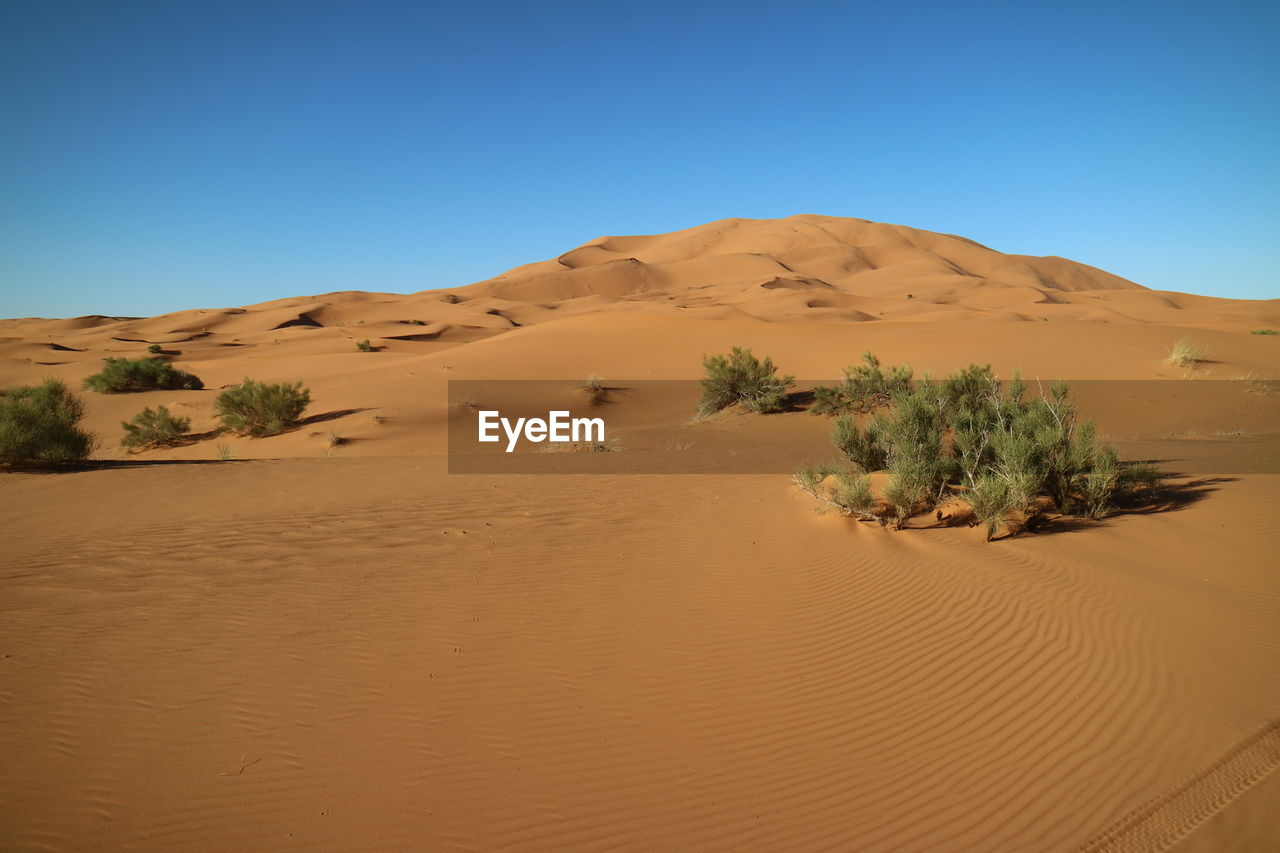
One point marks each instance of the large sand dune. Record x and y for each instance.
(345, 647)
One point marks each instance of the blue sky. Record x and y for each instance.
(156, 156)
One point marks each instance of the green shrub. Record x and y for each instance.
(741, 378)
(1265, 332)
(865, 388)
(154, 428)
(989, 501)
(1001, 451)
(155, 349)
(258, 409)
(39, 425)
(364, 346)
(863, 447)
(122, 375)
(852, 493)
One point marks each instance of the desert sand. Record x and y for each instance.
(325, 644)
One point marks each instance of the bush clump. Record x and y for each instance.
(865, 388)
(742, 379)
(154, 428)
(39, 425)
(1010, 456)
(1187, 354)
(364, 346)
(258, 409)
(594, 390)
(123, 375)
(1265, 332)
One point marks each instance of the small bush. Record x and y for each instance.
(155, 349)
(154, 428)
(852, 494)
(364, 346)
(863, 447)
(989, 500)
(1187, 354)
(865, 388)
(594, 389)
(741, 378)
(124, 375)
(1265, 332)
(258, 409)
(39, 425)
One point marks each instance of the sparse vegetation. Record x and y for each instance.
(152, 428)
(155, 349)
(1010, 456)
(1265, 332)
(1187, 354)
(742, 379)
(258, 409)
(39, 425)
(225, 452)
(364, 346)
(124, 375)
(865, 387)
(594, 390)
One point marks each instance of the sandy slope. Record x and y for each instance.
(348, 648)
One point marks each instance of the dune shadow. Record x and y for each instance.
(330, 416)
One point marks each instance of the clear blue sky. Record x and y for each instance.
(164, 155)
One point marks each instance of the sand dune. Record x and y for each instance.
(345, 647)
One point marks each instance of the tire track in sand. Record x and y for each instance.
(1170, 817)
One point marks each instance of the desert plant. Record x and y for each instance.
(155, 349)
(989, 500)
(865, 388)
(258, 409)
(123, 375)
(741, 378)
(225, 452)
(852, 494)
(364, 346)
(1265, 332)
(1187, 354)
(1000, 450)
(594, 389)
(39, 425)
(863, 447)
(154, 428)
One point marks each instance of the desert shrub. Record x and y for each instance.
(1000, 450)
(1265, 332)
(364, 346)
(852, 493)
(741, 378)
(865, 448)
(155, 349)
(123, 375)
(594, 390)
(39, 425)
(1187, 354)
(258, 409)
(989, 501)
(154, 428)
(865, 388)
